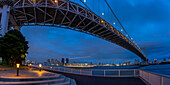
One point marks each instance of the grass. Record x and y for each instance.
(5, 67)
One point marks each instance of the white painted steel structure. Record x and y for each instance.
(154, 78)
(95, 72)
(61, 13)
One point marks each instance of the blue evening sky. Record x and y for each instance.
(147, 21)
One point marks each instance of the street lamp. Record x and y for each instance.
(40, 65)
(30, 65)
(17, 69)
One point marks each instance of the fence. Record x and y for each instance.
(96, 72)
(149, 77)
(154, 79)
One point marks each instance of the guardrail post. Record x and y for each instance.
(142, 73)
(161, 80)
(104, 73)
(91, 73)
(134, 73)
(119, 73)
(80, 71)
(148, 77)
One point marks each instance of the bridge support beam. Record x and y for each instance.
(17, 27)
(5, 12)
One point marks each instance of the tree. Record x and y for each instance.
(1, 40)
(13, 47)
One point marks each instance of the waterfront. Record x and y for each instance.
(114, 70)
(85, 42)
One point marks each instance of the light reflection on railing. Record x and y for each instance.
(96, 72)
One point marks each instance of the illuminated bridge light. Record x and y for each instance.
(111, 27)
(55, 1)
(102, 21)
(114, 23)
(84, 0)
(121, 29)
(32, 0)
(102, 13)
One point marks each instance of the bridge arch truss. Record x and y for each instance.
(70, 15)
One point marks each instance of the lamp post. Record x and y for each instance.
(40, 65)
(18, 69)
(30, 65)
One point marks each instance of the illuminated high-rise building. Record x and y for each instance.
(52, 61)
(48, 61)
(62, 60)
(67, 60)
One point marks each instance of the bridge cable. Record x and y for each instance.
(119, 22)
(117, 18)
(85, 5)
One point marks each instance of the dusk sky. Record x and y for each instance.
(146, 21)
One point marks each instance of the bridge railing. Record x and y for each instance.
(95, 72)
(154, 78)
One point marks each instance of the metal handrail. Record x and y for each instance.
(154, 78)
(91, 72)
(158, 74)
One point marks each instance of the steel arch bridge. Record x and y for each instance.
(62, 13)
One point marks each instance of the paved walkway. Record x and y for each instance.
(92, 80)
(26, 73)
(33, 77)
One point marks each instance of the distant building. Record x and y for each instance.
(164, 59)
(62, 60)
(119, 64)
(91, 63)
(48, 61)
(45, 63)
(57, 61)
(169, 59)
(128, 63)
(125, 63)
(135, 61)
(67, 60)
(52, 61)
(109, 63)
(29, 62)
(113, 64)
(155, 61)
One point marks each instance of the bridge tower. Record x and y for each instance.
(5, 6)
